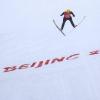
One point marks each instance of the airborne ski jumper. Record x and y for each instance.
(67, 16)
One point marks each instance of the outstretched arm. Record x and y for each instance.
(62, 14)
(73, 14)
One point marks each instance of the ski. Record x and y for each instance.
(78, 24)
(70, 30)
(58, 27)
(81, 21)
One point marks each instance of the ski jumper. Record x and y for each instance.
(67, 16)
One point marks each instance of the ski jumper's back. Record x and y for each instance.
(67, 14)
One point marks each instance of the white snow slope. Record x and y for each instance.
(28, 39)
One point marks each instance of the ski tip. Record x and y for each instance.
(84, 17)
(53, 20)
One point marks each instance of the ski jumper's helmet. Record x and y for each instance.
(67, 10)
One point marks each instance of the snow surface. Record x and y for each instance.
(27, 34)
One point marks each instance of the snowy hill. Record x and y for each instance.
(37, 62)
